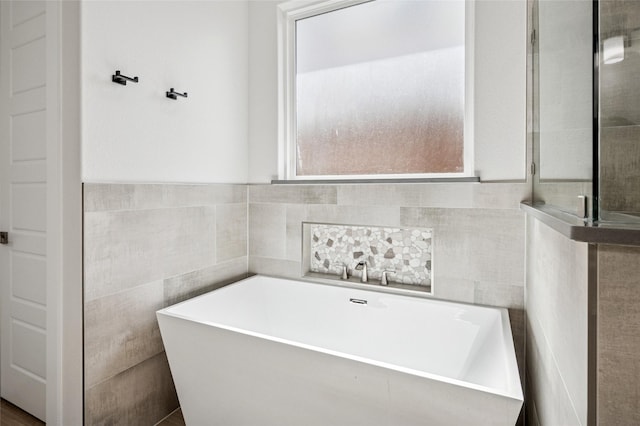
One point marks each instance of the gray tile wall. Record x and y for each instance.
(478, 242)
(619, 171)
(557, 283)
(149, 246)
(618, 335)
(620, 111)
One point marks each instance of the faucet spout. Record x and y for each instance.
(362, 266)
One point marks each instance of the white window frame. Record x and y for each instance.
(288, 14)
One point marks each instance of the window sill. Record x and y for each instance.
(474, 179)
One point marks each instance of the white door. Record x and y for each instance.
(23, 204)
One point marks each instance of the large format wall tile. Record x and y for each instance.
(275, 267)
(192, 284)
(101, 197)
(293, 194)
(148, 246)
(618, 337)
(443, 195)
(384, 215)
(557, 284)
(619, 104)
(296, 214)
(440, 195)
(619, 168)
(199, 195)
(267, 227)
(498, 294)
(142, 395)
(518, 333)
(562, 194)
(478, 244)
(128, 248)
(477, 252)
(530, 404)
(231, 231)
(108, 197)
(121, 331)
(547, 392)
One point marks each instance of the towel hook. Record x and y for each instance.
(172, 94)
(122, 79)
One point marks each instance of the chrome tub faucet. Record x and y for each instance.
(362, 266)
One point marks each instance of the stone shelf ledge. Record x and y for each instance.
(582, 230)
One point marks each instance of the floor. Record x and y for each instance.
(175, 419)
(10, 415)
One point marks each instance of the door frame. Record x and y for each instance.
(64, 291)
(65, 394)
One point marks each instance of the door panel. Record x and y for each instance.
(23, 207)
(26, 75)
(28, 132)
(29, 342)
(28, 206)
(31, 270)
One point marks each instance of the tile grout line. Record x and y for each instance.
(167, 416)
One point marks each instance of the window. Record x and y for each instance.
(374, 89)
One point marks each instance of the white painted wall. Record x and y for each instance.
(500, 90)
(263, 91)
(135, 133)
(565, 104)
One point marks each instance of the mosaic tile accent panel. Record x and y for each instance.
(405, 251)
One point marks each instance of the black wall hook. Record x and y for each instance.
(122, 79)
(172, 94)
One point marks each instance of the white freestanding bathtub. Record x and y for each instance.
(271, 351)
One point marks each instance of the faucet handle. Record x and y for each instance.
(345, 273)
(383, 277)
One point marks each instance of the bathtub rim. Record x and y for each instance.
(354, 283)
(515, 393)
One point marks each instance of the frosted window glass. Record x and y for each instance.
(380, 89)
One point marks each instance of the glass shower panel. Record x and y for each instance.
(619, 110)
(563, 118)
